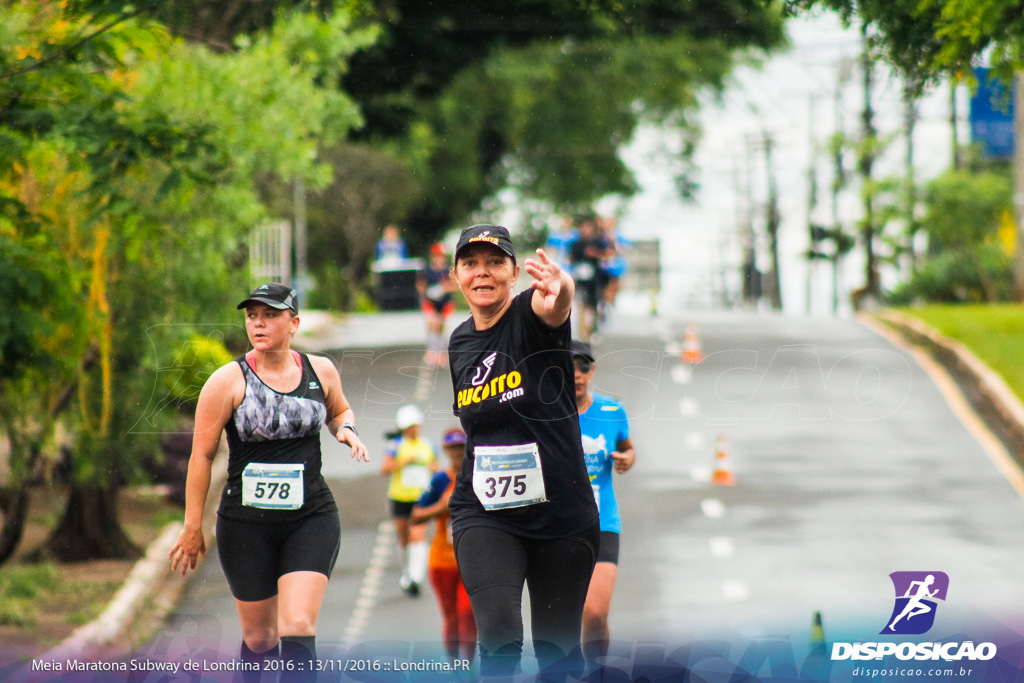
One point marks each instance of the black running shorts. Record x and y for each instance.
(255, 556)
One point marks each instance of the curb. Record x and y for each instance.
(90, 640)
(106, 633)
(991, 383)
(990, 394)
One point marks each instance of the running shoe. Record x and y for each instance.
(410, 587)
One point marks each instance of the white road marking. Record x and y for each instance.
(722, 547)
(735, 590)
(712, 508)
(682, 374)
(695, 440)
(423, 386)
(688, 407)
(369, 590)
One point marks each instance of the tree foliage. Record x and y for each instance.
(435, 59)
(964, 213)
(141, 143)
(538, 96)
(137, 156)
(935, 38)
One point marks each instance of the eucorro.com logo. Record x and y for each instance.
(913, 613)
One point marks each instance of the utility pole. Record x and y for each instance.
(953, 123)
(750, 274)
(302, 281)
(909, 123)
(1018, 180)
(741, 230)
(869, 138)
(838, 178)
(813, 232)
(772, 221)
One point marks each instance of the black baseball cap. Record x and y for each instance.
(487, 234)
(582, 349)
(275, 295)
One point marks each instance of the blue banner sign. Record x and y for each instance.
(992, 115)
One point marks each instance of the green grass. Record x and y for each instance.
(162, 518)
(23, 587)
(20, 586)
(994, 333)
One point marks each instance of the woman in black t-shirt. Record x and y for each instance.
(523, 510)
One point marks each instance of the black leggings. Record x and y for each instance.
(495, 564)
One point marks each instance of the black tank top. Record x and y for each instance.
(272, 427)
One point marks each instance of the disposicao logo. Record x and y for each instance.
(916, 596)
(913, 613)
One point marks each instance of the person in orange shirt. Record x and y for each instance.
(458, 627)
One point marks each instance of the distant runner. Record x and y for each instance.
(606, 447)
(410, 461)
(458, 627)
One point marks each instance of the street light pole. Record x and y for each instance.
(301, 282)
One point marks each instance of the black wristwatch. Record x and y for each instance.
(348, 425)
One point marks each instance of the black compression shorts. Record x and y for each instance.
(254, 556)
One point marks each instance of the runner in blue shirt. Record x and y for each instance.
(606, 446)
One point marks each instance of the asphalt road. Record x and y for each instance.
(849, 465)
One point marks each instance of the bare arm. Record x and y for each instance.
(553, 290)
(424, 514)
(339, 411)
(623, 456)
(390, 464)
(217, 400)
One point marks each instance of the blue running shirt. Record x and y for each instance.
(603, 426)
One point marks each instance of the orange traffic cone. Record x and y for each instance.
(691, 346)
(722, 475)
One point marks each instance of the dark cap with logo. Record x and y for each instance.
(582, 349)
(495, 235)
(275, 295)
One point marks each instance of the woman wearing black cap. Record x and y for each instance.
(278, 531)
(523, 510)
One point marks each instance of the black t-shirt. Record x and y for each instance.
(514, 385)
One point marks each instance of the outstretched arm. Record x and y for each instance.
(553, 290)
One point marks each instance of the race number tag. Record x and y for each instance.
(416, 476)
(273, 487)
(508, 476)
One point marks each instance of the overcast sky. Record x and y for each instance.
(792, 98)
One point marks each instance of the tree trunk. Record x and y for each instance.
(90, 528)
(987, 286)
(14, 508)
